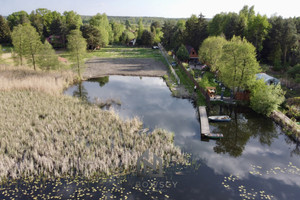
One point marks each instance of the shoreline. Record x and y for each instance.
(49, 132)
(100, 67)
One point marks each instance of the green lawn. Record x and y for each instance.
(126, 52)
(121, 52)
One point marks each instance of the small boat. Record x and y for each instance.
(221, 118)
(213, 135)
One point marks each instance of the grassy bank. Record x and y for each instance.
(53, 135)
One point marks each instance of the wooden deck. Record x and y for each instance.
(204, 120)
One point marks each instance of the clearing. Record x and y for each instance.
(99, 67)
(125, 61)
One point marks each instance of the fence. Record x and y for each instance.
(164, 53)
(202, 90)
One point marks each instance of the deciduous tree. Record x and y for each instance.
(47, 58)
(258, 29)
(73, 20)
(140, 29)
(77, 48)
(117, 29)
(127, 36)
(26, 43)
(238, 64)
(101, 22)
(17, 18)
(18, 40)
(211, 51)
(32, 44)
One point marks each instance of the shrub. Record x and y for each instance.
(265, 98)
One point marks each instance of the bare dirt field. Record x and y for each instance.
(99, 67)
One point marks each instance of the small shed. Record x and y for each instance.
(192, 52)
(269, 80)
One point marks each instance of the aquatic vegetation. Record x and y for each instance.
(232, 182)
(107, 103)
(112, 187)
(54, 136)
(21, 78)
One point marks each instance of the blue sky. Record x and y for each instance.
(158, 8)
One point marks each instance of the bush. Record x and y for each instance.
(265, 98)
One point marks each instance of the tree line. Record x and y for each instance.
(35, 35)
(98, 30)
(276, 39)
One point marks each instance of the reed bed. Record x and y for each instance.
(24, 78)
(56, 136)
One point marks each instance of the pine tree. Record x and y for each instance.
(5, 34)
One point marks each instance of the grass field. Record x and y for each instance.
(113, 51)
(126, 52)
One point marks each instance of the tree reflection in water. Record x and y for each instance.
(244, 125)
(101, 80)
(81, 92)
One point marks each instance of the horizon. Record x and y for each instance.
(154, 8)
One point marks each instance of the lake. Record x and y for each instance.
(254, 160)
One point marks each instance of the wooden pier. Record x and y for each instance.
(205, 130)
(204, 120)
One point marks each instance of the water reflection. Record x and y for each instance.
(249, 139)
(102, 80)
(80, 92)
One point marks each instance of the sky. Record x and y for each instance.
(155, 8)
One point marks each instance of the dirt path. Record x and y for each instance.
(99, 67)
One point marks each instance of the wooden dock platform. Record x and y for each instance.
(205, 130)
(204, 120)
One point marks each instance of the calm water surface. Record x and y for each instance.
(254, 160)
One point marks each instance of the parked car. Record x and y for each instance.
(155, 47)
(173, 64)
